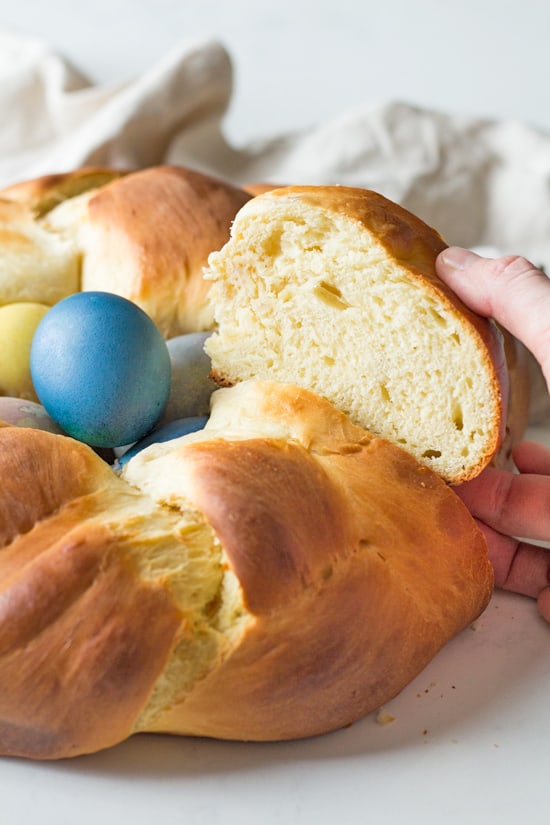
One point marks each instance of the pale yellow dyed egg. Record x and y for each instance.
(18, 323)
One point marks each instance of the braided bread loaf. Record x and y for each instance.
(143, 235)
(277, 575)
(286, 570)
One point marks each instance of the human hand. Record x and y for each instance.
(510, 505)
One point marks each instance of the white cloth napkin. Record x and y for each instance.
(479, 181)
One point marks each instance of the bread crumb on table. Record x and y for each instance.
(383, 717)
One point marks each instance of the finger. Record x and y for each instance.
(509, 289)
(516, 505)
(519, 567)
(543, 603)
(531, 457)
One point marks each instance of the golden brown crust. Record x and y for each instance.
(356, 565)
(41, 195)
(33, 488)
(149, 236)
(356, 562)
(346, 603)
(405, 237)
(145, 235)
(82, 638)
(82, 642)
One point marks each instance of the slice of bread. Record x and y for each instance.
(334, 289)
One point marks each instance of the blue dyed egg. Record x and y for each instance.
(101, 368)
(191, 387)
(174, 429)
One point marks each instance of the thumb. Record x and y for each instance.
(509, 289)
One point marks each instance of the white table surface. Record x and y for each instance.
(470, 742)
(468, 746)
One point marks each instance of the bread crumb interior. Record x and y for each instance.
(308, 297)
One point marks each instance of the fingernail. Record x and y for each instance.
(458, 258)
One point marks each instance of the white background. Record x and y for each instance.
(300, 62)
(471, 737)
